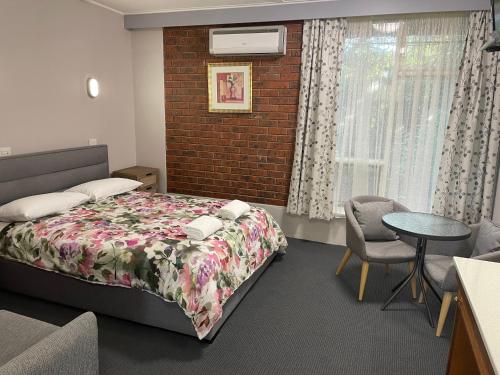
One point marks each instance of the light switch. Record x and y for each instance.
(92, 141)
(5, 151)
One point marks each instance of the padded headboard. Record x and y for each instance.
(50, 171)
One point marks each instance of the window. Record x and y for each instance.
(397, 83)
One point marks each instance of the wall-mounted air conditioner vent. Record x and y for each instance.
(260, 40)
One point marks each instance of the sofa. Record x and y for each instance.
(29, 346)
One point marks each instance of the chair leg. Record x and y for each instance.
(413, 282)
(445, 306)
(344, 261)
(362, 283)
(421, 298)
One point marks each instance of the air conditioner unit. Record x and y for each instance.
(260, 40)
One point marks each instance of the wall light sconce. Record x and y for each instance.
(92, 87)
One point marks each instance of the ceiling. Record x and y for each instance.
(157, 6)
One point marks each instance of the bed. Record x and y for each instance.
(127, 256)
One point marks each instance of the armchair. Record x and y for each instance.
(441, 270)
(385, 252)
(30, 347)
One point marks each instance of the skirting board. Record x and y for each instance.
(301, 227)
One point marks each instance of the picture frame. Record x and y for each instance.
(230, 87)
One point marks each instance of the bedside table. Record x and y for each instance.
(148, 176)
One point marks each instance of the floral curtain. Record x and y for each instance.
(311, 185)
(467, 174)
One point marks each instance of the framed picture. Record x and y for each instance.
(230, 87)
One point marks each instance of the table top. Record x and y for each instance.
(429, 226)
(481, 283)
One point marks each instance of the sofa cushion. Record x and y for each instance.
(369, 217)
(18, 333)
(488, 238)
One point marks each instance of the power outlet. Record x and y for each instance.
(5, 151)
(92, 141)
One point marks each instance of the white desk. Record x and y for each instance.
(481, 284)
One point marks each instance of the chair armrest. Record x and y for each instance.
(69, 350)
(493, 256)
(355, 238)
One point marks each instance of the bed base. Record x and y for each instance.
(125, 303)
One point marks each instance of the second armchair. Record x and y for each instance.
(387, 252)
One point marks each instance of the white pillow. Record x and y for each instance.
(100, 189)
(36, 206)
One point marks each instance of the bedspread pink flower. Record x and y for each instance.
(185, 278)
(125, 280)
(132, 243)
(193, 301)
(260, 255)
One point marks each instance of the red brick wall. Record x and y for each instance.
(225, 155)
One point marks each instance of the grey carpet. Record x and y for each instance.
(299, 318)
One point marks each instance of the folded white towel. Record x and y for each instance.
(202, 227)
(233, 210)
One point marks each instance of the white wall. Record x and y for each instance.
(149, 92)
(47, 50)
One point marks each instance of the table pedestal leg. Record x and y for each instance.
(431, 287)
(417, 271)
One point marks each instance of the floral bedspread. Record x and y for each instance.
(136, 240)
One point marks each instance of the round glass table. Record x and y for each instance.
(424, 227)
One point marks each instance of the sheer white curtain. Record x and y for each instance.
(397, 84)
